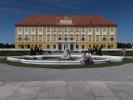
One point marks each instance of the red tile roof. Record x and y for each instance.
(55, 20)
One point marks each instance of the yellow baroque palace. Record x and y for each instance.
(77, 33)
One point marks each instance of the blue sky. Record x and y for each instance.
(118, 11)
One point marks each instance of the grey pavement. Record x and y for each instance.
(110, 83)
(121, 73)
(66, 90)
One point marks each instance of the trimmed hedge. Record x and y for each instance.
(14, 53)
(20, 53)
(117, 53)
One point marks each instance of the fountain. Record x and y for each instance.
(66, 54)
(65, 59)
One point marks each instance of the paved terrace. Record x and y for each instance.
(111, 83)
(121, 73)
(66, 90)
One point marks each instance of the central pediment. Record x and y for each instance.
(66, 21)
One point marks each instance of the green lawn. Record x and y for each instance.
(112, 64)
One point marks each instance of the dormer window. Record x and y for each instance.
(66, 18)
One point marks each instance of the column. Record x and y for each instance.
(62, 46)
(74, 47)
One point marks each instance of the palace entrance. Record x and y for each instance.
(59, 47)
(71, 47)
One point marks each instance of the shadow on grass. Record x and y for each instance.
(111, 64)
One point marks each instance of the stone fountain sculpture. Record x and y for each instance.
(67, 54)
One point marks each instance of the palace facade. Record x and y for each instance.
(77, 33)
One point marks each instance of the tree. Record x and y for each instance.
(124, 45)
(6, 45)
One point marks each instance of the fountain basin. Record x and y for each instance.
(58, 60)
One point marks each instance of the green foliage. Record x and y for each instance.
(6, 45)
(13, 53)
(36, 51)
(117, 53)
(124, 45)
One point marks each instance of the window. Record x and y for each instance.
(48, 46)
(32, 38)
(112, 38)
(104, 38)
(112, 29)
(48, 29)
(89, 46)
(26, 45)
(54, 46)
(40, 38)
(109, 46)
(59, 38)
(26, 29)
(89, 29)
(89, 38)
(71, 37)
(77, 37)
(59, 29)
(54, 29)
(97, 37)
(65, 29)
(112, 46)
(32, 29)
(59, 35)
(19, 29)
(19, 37)
(26, 38)
(71, 29)
(97, 29)
(65, 39)
(82, 46)
(48, 37)
(83, 37)
(83, 29)
(77, 46)
(104, 29)
(54, 37)
(77, 29)
(40, 45)
(40, 29)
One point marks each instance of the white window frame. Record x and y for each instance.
(40, 39)
(97, 38)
